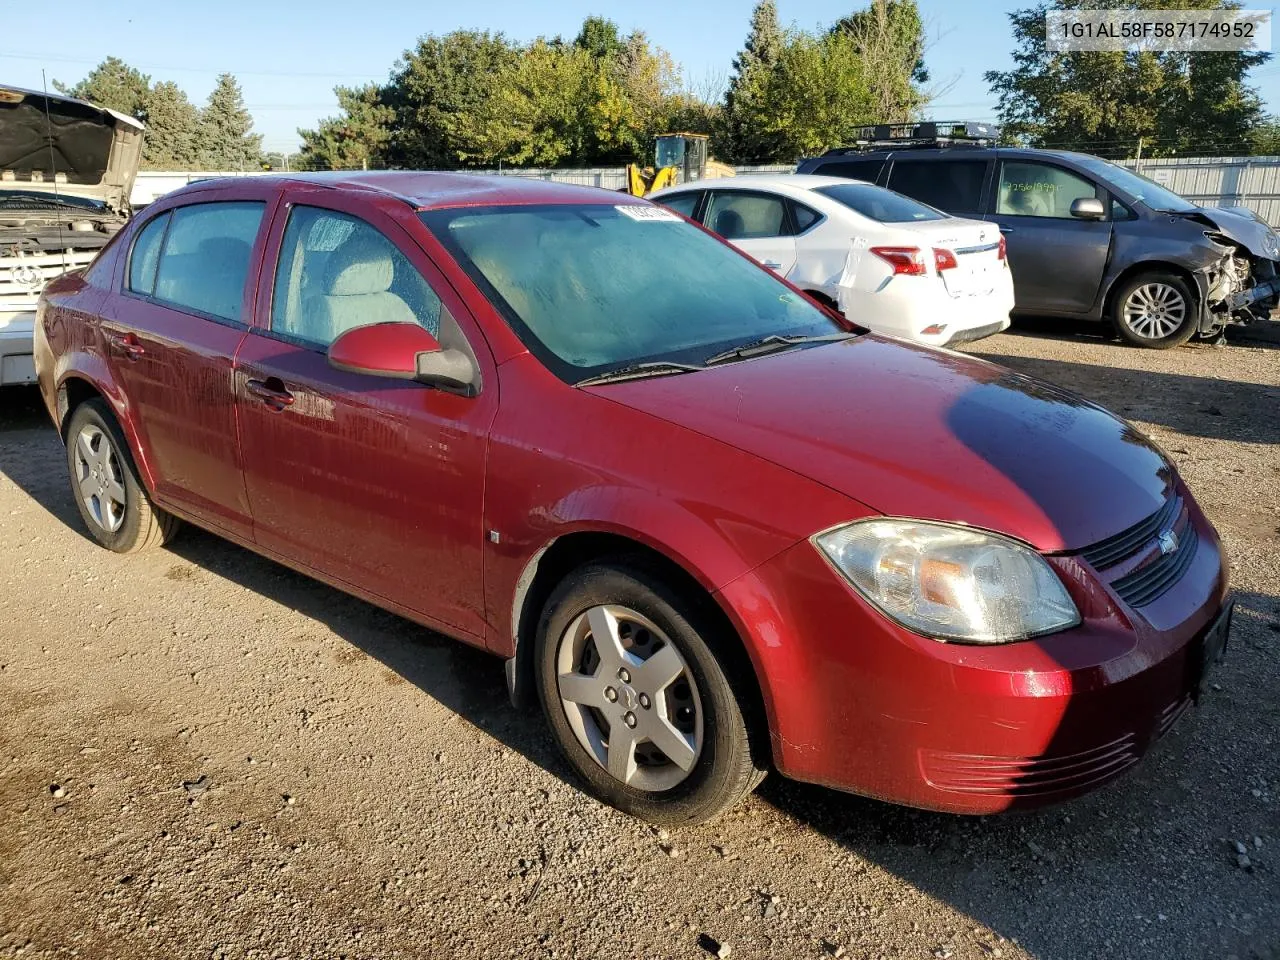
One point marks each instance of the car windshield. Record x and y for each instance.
(1136, 185)
(879, 204)
(603, 287)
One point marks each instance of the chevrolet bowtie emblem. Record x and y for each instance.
(1168, 543)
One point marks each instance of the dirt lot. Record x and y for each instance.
(205, 755)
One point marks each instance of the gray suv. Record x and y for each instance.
(1087, 238)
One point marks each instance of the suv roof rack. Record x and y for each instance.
(929, 133)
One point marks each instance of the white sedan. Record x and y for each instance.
(889, 263)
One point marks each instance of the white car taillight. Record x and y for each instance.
(907, 261)
(1002, 252)
(944, 259)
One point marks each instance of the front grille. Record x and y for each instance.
(1170, 715)
(1149, 581)
(1028, 776)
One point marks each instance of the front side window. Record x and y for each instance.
(1039, 190)
(735, 215)
(337, 272)
(879, 204)
(951, 185)
(205, 260)
(595, 288)
(145, 256)
(1136, 185)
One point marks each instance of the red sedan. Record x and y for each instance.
(714, 528)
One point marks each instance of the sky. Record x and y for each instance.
(288, 57)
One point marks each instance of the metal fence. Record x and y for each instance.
(1252, 182)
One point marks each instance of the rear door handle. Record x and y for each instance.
(1006, 229)
(126, 344)
(773, 264)
(270, 391)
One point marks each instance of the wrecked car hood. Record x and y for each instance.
(51, 144)
(1252, 234)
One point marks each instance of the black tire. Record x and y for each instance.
(724, 771)
(1161, 280)
(141, 525)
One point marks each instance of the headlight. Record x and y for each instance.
(950, 583)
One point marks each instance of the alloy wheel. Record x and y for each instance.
(630, 697)
(1155, 310)
(99, 478)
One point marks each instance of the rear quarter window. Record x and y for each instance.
(868, 170)
(951, 185)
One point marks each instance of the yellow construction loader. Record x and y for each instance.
(678, 158)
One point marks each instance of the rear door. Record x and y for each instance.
(758, 223)
(1057, 260)
(170, 334)
(373, 482)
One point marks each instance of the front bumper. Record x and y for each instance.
(16, 338)
(860, 704)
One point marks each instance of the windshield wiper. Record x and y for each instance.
(32, 197)
(771, 344)
(635, 371)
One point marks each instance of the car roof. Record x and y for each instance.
(787, 182)
(428, 191)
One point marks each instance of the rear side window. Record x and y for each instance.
(951, 185)
(683, 203)
(337, 272)
(877, 203)
(146, 255)
(746, 216)
(867, 170)
(205, 260)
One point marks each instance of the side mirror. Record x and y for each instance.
(403, 351)
(1087, 208)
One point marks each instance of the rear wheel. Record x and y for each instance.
(636, 699)
(1155, 310)
(104, 482)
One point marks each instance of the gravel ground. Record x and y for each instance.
(205, 755)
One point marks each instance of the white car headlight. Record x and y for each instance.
(950, 583)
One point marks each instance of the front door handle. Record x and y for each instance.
(125, 344)
(1006, 229)
(270, 391)
(773, 264)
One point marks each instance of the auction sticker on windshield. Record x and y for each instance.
(637, 212)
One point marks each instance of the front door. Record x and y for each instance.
(375, 482)
(170, 336)
(1057, 260)
(758, 224)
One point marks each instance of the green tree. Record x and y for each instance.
(438, 84)
(226, 140)
(357, 139)
(889, 36)
(173, 136)
(745, 118)
(818, 93)
(1265, 137)
(1105, 102)
(114, 84)
(599, 37)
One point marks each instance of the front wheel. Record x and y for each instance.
(638, 702)
(1155, 310)
(104, 481)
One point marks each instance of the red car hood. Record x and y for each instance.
(914, 432)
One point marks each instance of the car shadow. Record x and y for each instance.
(1195, 406)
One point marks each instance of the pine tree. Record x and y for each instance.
(113, 84)
(172, 139)
(751, 73)
(225, 140)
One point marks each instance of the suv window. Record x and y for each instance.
(1040, 190)
(337, 272)
(683, 203)
(867, 170)
(146, 255)
(951, 185)
(205, 260)
(736, 215)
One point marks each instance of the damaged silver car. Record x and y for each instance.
(66, 170)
